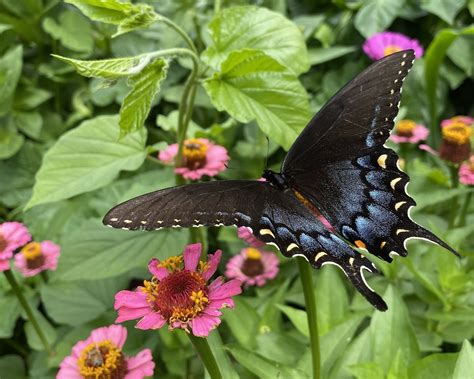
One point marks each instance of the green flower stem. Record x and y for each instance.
(308, 290)
(453, 170)
(26, 307)
(202, 347)
(217, 6)
(464, 209)
(180, 31)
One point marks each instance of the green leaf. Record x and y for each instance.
(243, 322)
(465, 362)
(86, 158)
(263, 368)
(125, 15)
(391, 331)
(433, 58)
(72, 30)
(10, 312)
(368, 370)
(376, 16)
(249, 27)
(170, 123)
(318, 55)
(137, 104)
(433, 366)
(30, 123)
(444, 9)
(461, 52)
(220, 354)
(28, 98)
(32, 336)
(12, 366)
(107, 68)
(10, 70)
(95, 252)
(251, 86)
(10, 141)
(297, 317)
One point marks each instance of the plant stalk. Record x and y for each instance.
(205, 353)
(453, 170)
(26, 307)
(464, 209)
(311, 314)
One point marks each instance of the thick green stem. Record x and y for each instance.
(26, 307)
(464, 209)
(202, 347)
(217, 6)
(308, 290)
(453, 205)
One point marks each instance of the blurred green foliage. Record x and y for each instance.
(63, 165)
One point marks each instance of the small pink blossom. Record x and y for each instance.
(12, 236)
(36, 257)
(100, 356)
(247, 235)
(465, 120)
(466, 172)
(407, 131)
(200, 157)
(178, 294)
(382, 44)
(253, 266)
(428, 148)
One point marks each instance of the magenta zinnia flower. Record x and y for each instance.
(466, 172)
(246, 234)
(253, 266)
(100, 356)
(178, 294)
(12, 236)
(408, 131)
(385, 43)
(464, 120)
(200, 157)
(36, 257)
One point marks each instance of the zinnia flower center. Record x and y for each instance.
(3, 243)
(194, 153)
(390, 49)
(405, 128)
(181, 296)
(458, 133)
(102, 360)
(34, 256)
(253, 265)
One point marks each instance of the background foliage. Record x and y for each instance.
(62, 166)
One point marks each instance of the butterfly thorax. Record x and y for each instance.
(276, 179)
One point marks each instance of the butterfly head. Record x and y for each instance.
(276, 179)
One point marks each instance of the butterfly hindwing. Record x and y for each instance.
(340, 164)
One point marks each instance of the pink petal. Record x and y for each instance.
(212, 263)
(4, 265)
(191, 256)
(226, 290)
(131, 299)
(117, 334)
(158, 272)
(126, 314)
(152, 320)
(169, 153)
(140, 365)
(202, 326)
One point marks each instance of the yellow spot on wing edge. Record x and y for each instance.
(264, 232)
(292, 246)
(319, 255)
(351, 261)
(399, 204)
(394, 182)
(382, 244)
(381, 160)
(401, 231)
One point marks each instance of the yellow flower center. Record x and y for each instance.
(172, 263)
(194, 153)
(253, 253)
(458, 120)
(102, 360)
(33, 255)
(3, 242)
(457, 133)
(406, 127)
(390, 49)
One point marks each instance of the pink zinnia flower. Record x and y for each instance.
(246, 234)
(200, 157)
(12, 236)
(253, 266)
(466, 172)
(464, 120)
(101, 356)
(385, 43)
(178, 294)
(36, 257)
(408, 131)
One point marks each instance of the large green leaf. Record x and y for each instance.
(376, 16)
(137, 104)
(243, 322)
(10, 70)
(392, 331)
(12, 366)
(86, 158)
(32, 336)
(465, 363)
(10, 312)
(124, 14)
(253, 86)
(444, 9)
(248, 27)
(318, 55)
(11, 140)
(72, 29)
(297, 317)
(96, 252)
(433, 366)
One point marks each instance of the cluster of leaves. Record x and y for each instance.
(71, 148)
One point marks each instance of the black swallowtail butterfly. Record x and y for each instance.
(338, 165)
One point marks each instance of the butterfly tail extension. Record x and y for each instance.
(422, 233)
(354, 268)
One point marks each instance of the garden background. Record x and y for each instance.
(189, 71)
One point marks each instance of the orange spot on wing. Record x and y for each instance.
(360, 244)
